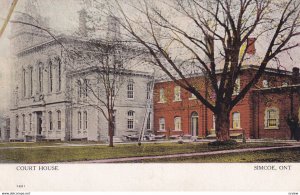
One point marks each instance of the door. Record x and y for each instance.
(194, 124)
(39, 123)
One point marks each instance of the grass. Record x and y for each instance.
(275, 156)
(82, 153)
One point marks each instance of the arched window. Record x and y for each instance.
(130, 120)
(30, 122)
(50, 76)
(130, 89)
(177, 123)
(79, 88)
(50, 121)
(85, 120)
(79, 120)
(85, 90)
(17, 124)
(236, 120)
(272, 118)
(59, 73)
(149, 90)
(31, 81)
(58, 120)
(23, 122)
(24, 82)
(40, 77)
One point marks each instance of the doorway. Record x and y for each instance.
(194, 124)
(39, 123)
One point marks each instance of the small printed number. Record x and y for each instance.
(20, 186)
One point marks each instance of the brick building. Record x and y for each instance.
(261, 113)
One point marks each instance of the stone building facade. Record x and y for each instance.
(44, 105)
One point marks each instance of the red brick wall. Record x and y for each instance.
(247, 108)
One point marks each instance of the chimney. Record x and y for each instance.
(295, 75)
(251, 46)
(82, 23)
(113, 29)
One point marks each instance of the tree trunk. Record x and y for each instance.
(222, 123)
(110, 129)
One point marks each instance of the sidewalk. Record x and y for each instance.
(130, 159)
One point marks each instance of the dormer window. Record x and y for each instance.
(265, 84)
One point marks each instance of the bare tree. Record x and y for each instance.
(210, 36)
(106, 74)
(99, 65)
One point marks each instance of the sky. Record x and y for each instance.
(63, 17)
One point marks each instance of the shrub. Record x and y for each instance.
(223, 143)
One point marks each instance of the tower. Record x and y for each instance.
(26, 34)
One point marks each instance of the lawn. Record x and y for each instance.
(288, 155)
(81, 153)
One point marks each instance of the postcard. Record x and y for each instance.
(140, 95)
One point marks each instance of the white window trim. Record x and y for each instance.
(266, 118)
(239, 127)
(131, 118)
(162, 98)
(177, 119)
(164, 122)
(132, 83)
(192, 97)
(177, 97)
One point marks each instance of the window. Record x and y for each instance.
(237, 87)
(130, 120)
(148, 90)
(40, 77)
(24, 83)
(162, 97)
(30, 122)
(79, 89)
(149, 122)
(85, 120)
(284, 84)
(265, 84)
(177, 123)
(58, 120)
(85, 90)
(192, 97)
(59, 74)
(177, 96)
(79, 120)
(23, 124)
(50, 121)
(50, 77)
(130, 89)
(214, 122)
(162, 126)
(271, 118)
(17, 124)
(236, 121)
(31, 81)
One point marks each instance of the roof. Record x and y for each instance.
(219, 71)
